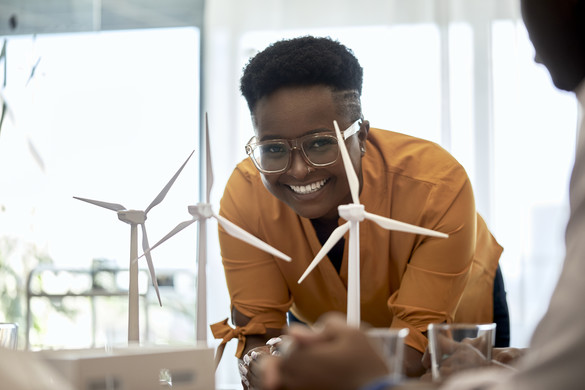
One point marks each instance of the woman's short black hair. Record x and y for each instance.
(302, 61)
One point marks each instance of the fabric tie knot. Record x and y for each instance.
(222, 330)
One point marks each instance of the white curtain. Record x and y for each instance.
(457, 72)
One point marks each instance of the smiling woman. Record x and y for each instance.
(296, 88)
(456, 72)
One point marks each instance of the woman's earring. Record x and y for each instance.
(363, 149)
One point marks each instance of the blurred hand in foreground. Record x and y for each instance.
(464, 355)
(329, 356)
(508, 356)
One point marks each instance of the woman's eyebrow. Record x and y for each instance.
(269, 137)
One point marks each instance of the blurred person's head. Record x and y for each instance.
(557, 31)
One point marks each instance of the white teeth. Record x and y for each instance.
(309, 187)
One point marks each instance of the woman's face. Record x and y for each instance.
(289, 113)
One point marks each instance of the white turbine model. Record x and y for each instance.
(355, 213)
(202, 212)
(135, 218)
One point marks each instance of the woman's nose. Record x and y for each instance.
(298, 166)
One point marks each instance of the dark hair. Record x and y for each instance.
(580, 11)
(302, 61)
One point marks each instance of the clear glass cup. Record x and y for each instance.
(457, 347)
(390, 345)
(8, 335)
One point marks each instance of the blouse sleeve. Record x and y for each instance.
(246, 266)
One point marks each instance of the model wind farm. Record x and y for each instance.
(201, 212)
(135, 218)
(354, 213)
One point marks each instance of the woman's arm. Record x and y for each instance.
(254, 341)
(413, 366)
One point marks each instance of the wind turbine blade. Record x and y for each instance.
(146, 250)
(392, 224)
(331, 241)
(352, 179)
(166, 189)
(33, 70)
(176, 230)
(110, 206)
(235, 231)
(35, 153)
(209, 179)
(7, 111)
(2, 115)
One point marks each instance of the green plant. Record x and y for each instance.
(17, 260)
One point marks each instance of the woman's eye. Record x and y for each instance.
(273, 149)
(321, 143)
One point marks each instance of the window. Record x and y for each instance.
(108, 116)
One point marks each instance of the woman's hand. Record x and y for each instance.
(457, 356)
(508, 356)
(466, 354)
(333, 356)
(252, 359)
(247, 360)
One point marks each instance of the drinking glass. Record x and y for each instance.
(8, 335)
(390, 345)
(458, 347)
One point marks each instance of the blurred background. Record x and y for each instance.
(104, 99)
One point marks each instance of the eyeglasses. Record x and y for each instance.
(318, 150)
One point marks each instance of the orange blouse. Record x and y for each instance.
(407, 280)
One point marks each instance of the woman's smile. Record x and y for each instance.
(309, 188)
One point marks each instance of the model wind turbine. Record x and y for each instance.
(355, 213)
(135, 218)
(202, 212)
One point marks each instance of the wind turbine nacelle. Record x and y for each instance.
(201, 211)
(352, 212)
(132, 216)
